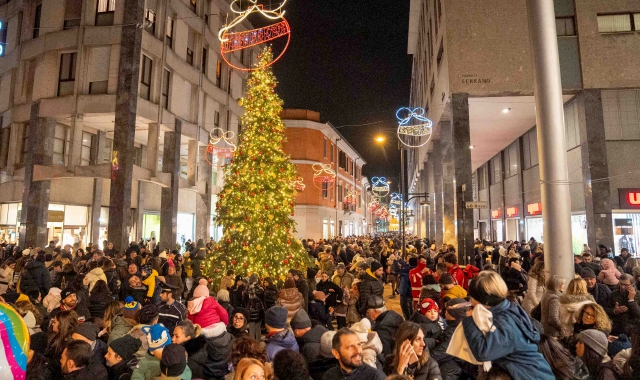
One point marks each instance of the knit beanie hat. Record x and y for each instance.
(276, 317)
(457, 308)
(131, 308)
(300, 320)
(174, 360)
(126, 346)
(87, 330)
(428, 304)
(326, 344)
(245, 313)
(157, 336)
(201, 291)
(375, 266)
(595, 340)
(587, 273)
(362, 329)
(66, 293)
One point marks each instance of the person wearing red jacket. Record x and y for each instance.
(204, 310)
(415, 277)
(451, 261)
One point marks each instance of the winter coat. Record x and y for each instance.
(370, 285)
(303, 287)
(90, 372)
(621, 323)
(353, 315)
(136, 332)
(344, 281)
(402, 269)
(238, 296)
(149, 368)
(98, 303)
(609, 274)
(64, 279)
(290, 299)
(451, 367)
(386, 325)
(456, 291)
(6, 278)
(601, 294)
(431, 330)
(535, 290)
(35, 277)
(512, 345)
(516, 280)
(219, 343)
(457, 274)
(210, 313)
(270, 296)
(229, 308)
(429, 371)
(332, 297)
(431, 291)
(254, 303)
(371, 344)
(309, 343)
(550, 310)
(197, 355)
(52, 300)
(92, 277)
(122, 370)
(364, 372)
(120, 326)
(279, 341)
(570, 306)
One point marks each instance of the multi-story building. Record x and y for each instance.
(320, 209)
(105, 112)
(472, 69)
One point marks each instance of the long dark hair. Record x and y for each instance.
(408, 331)
(559, 358)
(68, 320)
(592, 360)
(634, 358)
(100, 288)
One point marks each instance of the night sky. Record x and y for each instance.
(348, 60)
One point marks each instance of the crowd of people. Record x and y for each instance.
(149, 314)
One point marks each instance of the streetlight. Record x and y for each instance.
(380, 139)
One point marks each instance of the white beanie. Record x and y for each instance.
(362, 329)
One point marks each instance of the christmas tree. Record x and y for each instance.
(257, 200)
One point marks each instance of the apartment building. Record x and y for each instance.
(472, 69)
(321, 210)
(105, 112)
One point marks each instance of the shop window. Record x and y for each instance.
(565, 26)
(37, 16)
(67, 74)
(145, 78)
(619, 23)
(169, 32)
(166, 84)
(60, 140)
(86, 156)
(105, 12)
(72, 13)
(150, 21)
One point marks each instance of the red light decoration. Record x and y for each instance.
(495, 214)
(220, 145)
(534, 208)
(634, 199)
(324, 177)
(351, 198)
(235, 41)
(512, 211)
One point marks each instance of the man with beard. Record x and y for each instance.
(623, 306)
(76, 363)
(348, 350)
(600, 292)
(69, 301)
(120, 357)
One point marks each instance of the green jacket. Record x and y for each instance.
(149, 368)
(119, 328)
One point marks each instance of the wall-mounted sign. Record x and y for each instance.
(534, 208)
(476, 205)
(629, 198)
(512, 211)
(54, 216)
(496, 214)
(473, 79)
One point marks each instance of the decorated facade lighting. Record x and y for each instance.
(324, 178)
(414, 128)
(380, 187)
(220, 145)
(298, 185)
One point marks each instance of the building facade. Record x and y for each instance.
(321, 210)
(472, 69)
(105, 112)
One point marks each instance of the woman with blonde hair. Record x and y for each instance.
(511, 342)
(575, 297)
(110, 312)
(535, 287)
(590, 316)
(550, 306)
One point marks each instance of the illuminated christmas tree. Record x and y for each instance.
(257, 201)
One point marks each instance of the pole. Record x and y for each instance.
(554, 177)
(402, 190)
(337, 233)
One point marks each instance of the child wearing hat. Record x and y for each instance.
(149, 367)
(428, 318)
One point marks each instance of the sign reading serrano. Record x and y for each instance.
(629, 198)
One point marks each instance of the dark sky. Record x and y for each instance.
(348, 60)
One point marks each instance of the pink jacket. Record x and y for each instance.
(608, 275)
(210, 313)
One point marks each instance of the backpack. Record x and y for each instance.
(470, 272)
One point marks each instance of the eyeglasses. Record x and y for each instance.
(589, 315)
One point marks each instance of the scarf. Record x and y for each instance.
(195, 305)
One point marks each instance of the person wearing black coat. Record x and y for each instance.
(515, 277)
(371, 285)
(270, 293)
(600, 292)
(385, 323)
(219, 343)
(35, 278)
(452, 368)
(99, 299)
(197, 355)
(331, 290)
(238, 293)
(431, 330)
(308, 337)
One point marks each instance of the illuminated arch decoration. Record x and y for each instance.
(298, 185)
(323, 174)
(231, 42)
(380, 187)
(220, 145)
(414, 128)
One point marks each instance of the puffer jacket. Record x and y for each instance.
(609, 274)
(431, 330)
(535, 290)
(309, 343)
(386, 325)
(370, 285)
(92, 277)
(219, 343)
(197, 355)
(570, 306)
(120, 326)
(98, 303)
(290, 299)
(35, 277)
(429, 371)
(279, 341)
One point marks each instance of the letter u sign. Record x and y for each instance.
(633, 198)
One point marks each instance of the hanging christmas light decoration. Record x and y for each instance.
(220, 145)
(324, 178)
(414, 128)
(298, 184)
(374, 205)
(351, 198)
(232, 41)
(396, 199)
(380, 187)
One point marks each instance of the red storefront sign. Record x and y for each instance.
(629, 198)
(534, 208)
(512, 211)
(495, 214)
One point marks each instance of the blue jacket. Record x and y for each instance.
(513, 344)
(402, 269)
(280, 341)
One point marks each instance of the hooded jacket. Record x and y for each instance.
(120, 326)
(370, 285)
(35, 277)
(210, 313)
(570, 305)
(197, 355)
(92, 277)
(371, 343)
(309, 343)
(431, 330)
(290, 299)
(513, 345)
(219, 343)
(279, 341)
(609, 274)
(98, 303)
(386, 325)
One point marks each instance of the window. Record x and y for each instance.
(145, 78)
(3, 37)
(216, 119)
(193, 4)
(36, 21)
(72, 14)
(86, 156)
(565, 26)
(440, 54)
(482, 177)
(150, 21)
(190, 56)
(496, 169)
(105, 12)
(67, 74)
(204, 61)
(229, 83)
(166, 84)
(59, 145)
(219, 73)
(511, 160)
(325, 190)
(331, 151)
(619, 23)
(25, 144)
(530, 149)
(324, 149)
(106, 149)
(340, 193)
(169, 32)
(4, 146)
